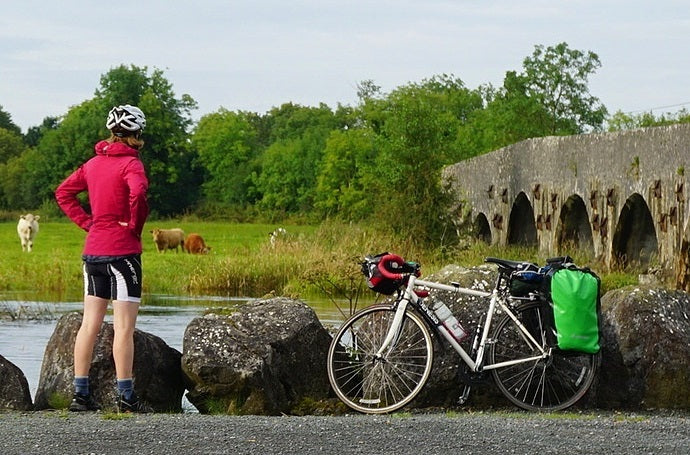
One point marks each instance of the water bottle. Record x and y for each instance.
(449, 321)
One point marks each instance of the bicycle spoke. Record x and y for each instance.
(376, 385)
(552, 383)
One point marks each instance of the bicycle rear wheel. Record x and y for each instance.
(550, 384)
(379, 384)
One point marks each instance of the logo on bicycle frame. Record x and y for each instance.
(429, 312)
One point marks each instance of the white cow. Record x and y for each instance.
(27, 229)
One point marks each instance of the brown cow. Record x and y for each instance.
(168, 239)
(194, 244)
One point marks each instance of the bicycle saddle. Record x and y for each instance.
(508, 264)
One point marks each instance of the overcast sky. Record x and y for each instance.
(254, 55)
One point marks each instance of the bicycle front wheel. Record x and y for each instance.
(377, 384)
(553, 383)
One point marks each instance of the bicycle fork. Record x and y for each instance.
(393, 331)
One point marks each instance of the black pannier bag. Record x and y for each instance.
(527, 278)
(573, 312)
(381, 284)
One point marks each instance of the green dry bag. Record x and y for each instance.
(575, 297)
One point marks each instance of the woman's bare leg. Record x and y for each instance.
(124, 320)
(94, 312)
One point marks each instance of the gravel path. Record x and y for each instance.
(436, 433)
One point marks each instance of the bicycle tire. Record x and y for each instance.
(379, 385)
(550, 384)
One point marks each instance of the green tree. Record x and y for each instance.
(168, 157)
(11, 144)
(16, 192)
(286, 182)
(63, 149)
(367, 89)
(282, 180)
(550, 97)
(417, 141)
(167, 154)
(7, 123)
(371, 112)
(510, 116)
(35, 133)
(621, 121)
(341, 188)
(227, 146)
(292, 121)
(557, 77)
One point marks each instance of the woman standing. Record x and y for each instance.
(116, 183)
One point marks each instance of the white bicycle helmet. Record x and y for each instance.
(126, 117)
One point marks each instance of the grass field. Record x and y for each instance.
(313, 260)
(53, 268)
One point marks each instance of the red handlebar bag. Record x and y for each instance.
(385, 272)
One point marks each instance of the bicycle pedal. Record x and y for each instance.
(462, 399)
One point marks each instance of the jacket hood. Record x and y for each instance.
(115, 149)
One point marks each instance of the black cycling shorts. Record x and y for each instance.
(117, 280)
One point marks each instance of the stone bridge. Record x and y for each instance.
(619, 196)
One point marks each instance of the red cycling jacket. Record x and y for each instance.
(116, 181)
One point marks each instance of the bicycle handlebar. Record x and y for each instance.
(384, 263)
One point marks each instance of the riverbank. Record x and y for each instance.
(484, 433)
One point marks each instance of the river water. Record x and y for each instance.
(23, 340)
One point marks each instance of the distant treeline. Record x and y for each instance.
(379, 160)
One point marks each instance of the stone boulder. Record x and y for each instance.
(14, 388)
(264, 358)
(646, 349)
(157, 374)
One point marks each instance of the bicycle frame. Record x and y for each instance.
(495, 301)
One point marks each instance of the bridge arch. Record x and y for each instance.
(574, 230)
(635, 240)
(482, 229)
(521, 226)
